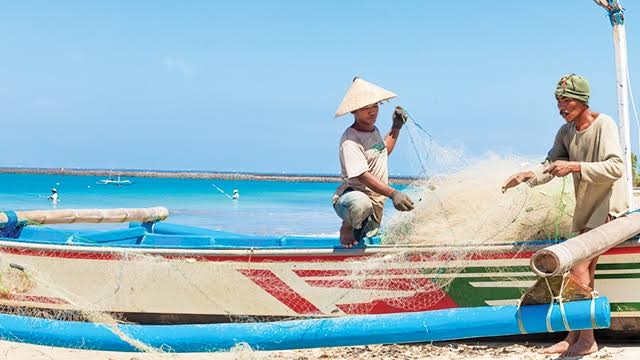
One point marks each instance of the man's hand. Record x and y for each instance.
(516, 180)
(401, 201)
(399, 118)
(561, 168)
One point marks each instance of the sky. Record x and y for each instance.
(252, 86)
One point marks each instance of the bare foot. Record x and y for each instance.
(562, 346)
(346, 236)
(581, 347)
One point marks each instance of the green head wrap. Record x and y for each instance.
(575, 87)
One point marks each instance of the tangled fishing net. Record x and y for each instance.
(459, 200)
(467, 208)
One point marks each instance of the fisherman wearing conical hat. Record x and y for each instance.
(360, 198)
(588, 147)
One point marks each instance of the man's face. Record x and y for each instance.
(367, 115)
(570, 108)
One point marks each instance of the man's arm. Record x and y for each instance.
(375, 184)
(612, 167)
(399, 119)
(391, 139)
(517, 179)
(400, 200)
(607, 171)
(544, 172)
(556, 164)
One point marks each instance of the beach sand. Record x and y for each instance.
(443, 350)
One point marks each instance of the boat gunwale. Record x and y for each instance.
(336, 251)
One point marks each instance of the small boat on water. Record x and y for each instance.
(117, 182)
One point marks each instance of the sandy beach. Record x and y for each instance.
(444, 350)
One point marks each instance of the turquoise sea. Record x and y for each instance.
(264, 207)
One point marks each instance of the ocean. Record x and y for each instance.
(264, 207)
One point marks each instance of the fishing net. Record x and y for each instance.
(462, 245)
(461, 204)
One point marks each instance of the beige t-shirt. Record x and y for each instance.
(361, 152)
(600, 185)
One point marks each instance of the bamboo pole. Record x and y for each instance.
(616, 17)
(95, 216)
(557, 259)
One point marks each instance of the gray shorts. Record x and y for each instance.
(354, 207)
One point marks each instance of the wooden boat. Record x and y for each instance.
(162, 273)
(116, 182)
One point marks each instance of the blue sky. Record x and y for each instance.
(252, 85)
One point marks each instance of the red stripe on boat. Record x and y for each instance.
(407, 284)
(417, 302)
(319, 273)
(123, 254)
(428, 295)
(88, 255)
(272, 284)
(33, 298)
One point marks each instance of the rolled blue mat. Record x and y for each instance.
(450, 324)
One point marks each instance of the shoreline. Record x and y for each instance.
(182, 174)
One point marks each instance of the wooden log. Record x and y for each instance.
(557, 259)
(94, 216)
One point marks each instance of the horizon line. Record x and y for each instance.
(190, 174)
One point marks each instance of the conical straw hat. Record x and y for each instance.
(362, 93)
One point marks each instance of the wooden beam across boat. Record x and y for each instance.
(557, 259)
(94, 216)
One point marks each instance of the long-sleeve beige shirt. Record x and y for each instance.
(600, 185)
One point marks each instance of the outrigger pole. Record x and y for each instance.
(616, 16)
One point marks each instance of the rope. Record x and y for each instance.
(418, 125)
(415, 146)
(222, 191)
(430, 138)
(557, 299)
(523, 331)
(420, 159)
(592, 307)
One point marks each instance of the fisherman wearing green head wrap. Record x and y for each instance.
(574, 87)
(587, 146)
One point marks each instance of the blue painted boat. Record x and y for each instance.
(196, 289)
(216, 276)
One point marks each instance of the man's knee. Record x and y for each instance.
(354, 207)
